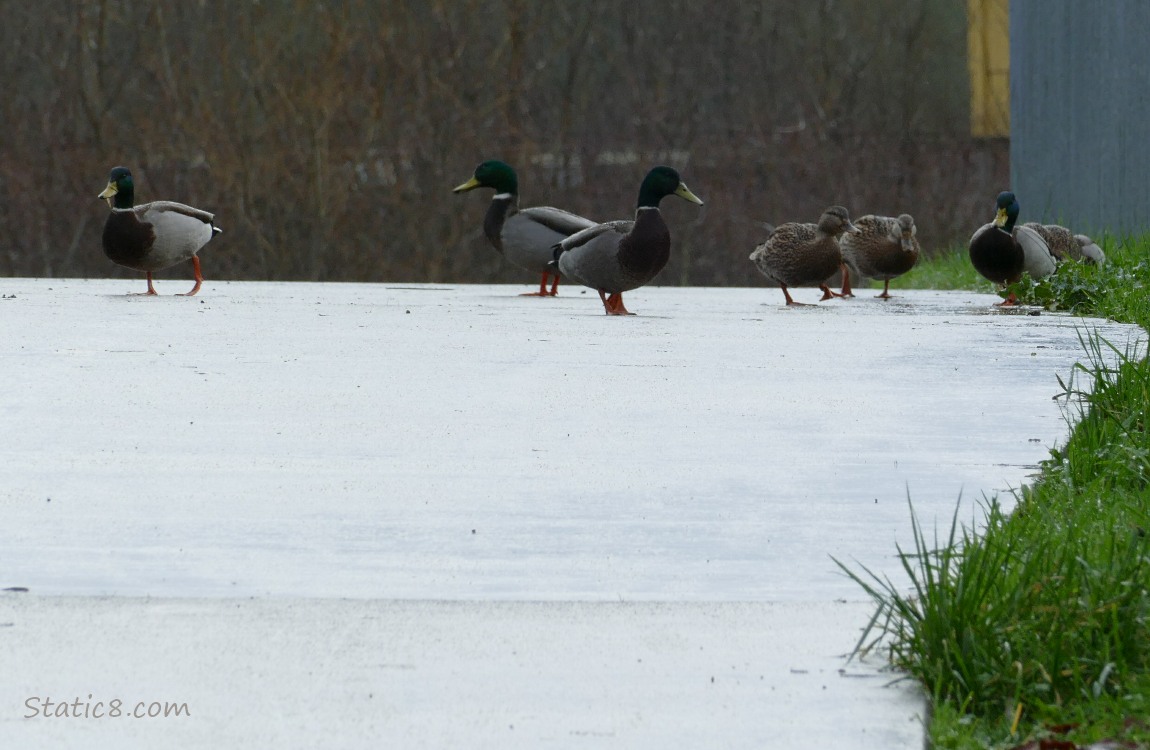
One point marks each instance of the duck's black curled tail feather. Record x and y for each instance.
(556, 251)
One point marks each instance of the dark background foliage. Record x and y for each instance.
(327, 135)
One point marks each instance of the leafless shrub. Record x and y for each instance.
(327, 136)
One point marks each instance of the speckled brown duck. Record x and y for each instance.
(1066, 245)
(1002, 252)
(619, 256)
(153, 236)
(523, 235)
(882, 247)
(797, 254)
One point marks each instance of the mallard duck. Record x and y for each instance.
(882, 248)
(524, 236)
(798, 254)
(1065, 245)
(1002, 252)
(152, 236)
(619, 256)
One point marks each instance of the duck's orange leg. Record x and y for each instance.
(846, 290)
(554, 285)
(151, 289)
(199, 277)
(790, 301)
(885, 290)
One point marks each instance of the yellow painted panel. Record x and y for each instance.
(988, 52)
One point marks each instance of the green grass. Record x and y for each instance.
(1038, 625)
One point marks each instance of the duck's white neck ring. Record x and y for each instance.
(502, 196)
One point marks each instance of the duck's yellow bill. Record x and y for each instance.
(469, 185)
(683, 192)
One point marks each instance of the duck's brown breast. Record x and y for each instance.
(127, 240)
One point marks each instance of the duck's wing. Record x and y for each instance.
(1037, 258)
(591, 257)
(1090, 252)
(163, 210)
(585, 236)
(179, 231)
(556, 219)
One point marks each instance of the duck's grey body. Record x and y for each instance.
(526, 236)
(601, 257)
(154, 236)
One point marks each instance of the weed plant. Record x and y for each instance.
(1037, 627)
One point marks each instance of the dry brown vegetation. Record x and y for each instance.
(327, 136)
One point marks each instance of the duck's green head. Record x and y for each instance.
(121, 191)
(493, 174)
(661, 182)
(1008, 209)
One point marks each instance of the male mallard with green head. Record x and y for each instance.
(883, 247)
(797, 254)
(1002, 252)
(1065, 245)
(619, 256)
(153, 236)
(523, 236)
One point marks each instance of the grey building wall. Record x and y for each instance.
(1080, 113)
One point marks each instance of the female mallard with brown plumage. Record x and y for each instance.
(524, 236)
(1065, 245)
(1002, 252)
(619, 256)
(797, 254)
(882, 247)
(153, 236)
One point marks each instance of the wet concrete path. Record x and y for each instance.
(393, 442)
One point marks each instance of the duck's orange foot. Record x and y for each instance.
(543, 291)
(828, 294)
(199, 277)
(613, 304)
